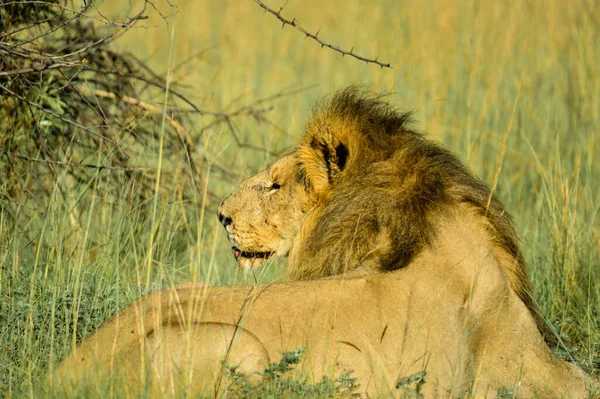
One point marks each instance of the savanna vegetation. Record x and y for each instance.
(122, 124)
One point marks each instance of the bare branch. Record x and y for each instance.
(64, 91)
(62, 118)
(315, 37)
(26, 27)
(75, 164)
(104, 20)
(64, 23)
(141, 104)
(120, 28)
(40, 68)
(241, 144)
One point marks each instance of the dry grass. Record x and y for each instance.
(513, 89)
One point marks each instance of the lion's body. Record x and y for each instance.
(456, 319)
(422, 268)
(364, 192)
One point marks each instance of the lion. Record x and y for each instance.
(364, 193)
(462, 327)
(401, 261)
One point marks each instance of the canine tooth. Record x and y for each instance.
(245, 264)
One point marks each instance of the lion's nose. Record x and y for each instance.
(225, 220)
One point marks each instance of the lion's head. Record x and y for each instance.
(363, 191)
(262, 216)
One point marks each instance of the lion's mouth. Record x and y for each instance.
(238, 253)
(250, 260)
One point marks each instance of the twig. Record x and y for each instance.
(62, 24)
(241, 144)
(193, 57)
(123, 26)
(141, 104)
(9, 200)
(127, 24)
(246, 110)
(26, 27)
(79, 13)
(250, 108)
(315, 37)
(184, 136)
(80, 165)
(177, 94)
(62, 118)
(39, 68)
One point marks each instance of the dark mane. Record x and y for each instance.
(440, 178)
(392, 169)
(376, 118)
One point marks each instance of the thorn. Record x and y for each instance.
(322, 45)
(352, 49)
(282, 25)
(306, 35)
(317, 34)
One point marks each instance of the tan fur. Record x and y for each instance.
(453, 316)
(362, 192)
(423, 272)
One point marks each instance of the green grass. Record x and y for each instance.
(475, 73)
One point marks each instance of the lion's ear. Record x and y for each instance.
(335, 153)
(323, 157)
(341, 156)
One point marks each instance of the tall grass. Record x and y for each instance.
(513, 88)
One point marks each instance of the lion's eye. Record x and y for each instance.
(273, 188)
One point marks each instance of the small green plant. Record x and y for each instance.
(410, 386)
(280, 379)
(506, 393)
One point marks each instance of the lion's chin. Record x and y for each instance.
(250, 264)
(249, 261)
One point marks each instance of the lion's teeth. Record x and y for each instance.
(245, 264)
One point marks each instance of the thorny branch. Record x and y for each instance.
(315, 36)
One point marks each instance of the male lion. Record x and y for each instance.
(364, 193)
(426, 275)
(457, 319)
